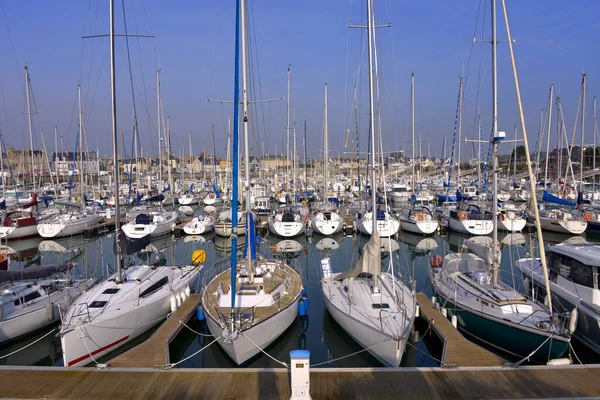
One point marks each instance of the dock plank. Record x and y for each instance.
(458, 350)
(364, 383)
(154, 351)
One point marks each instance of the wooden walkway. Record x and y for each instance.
(155, 350)
(457, 351)
(365, 383)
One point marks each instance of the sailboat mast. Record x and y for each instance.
(234, 180)
(595, 127)
(412, 128)
(80, 145)
(246, 145)
(326, 146)
(191, 154)
(305, 166)
(581, 159)
(30, 125)
(158, 119)
(495, 266)
(548, 141)
(113, 96)
(287, 129)
(372, 114)
(172, 189)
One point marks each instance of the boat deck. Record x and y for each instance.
(258, 313)
(155, 351)
(360, 383)
(457, 351)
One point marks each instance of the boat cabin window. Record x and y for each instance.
(378, 306)
(111, 291)
(97, 304)
(574, 270)
(27, 298)
(154, 287)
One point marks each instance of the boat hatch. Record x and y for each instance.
(111, 291)
(97, 304)
(379, 306)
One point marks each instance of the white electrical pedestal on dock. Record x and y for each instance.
(300, 370)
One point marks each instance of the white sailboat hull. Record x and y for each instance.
(38, 315)
(84, 341)
(241, 349)
(383, 346)
(66, 226)
(385, 228)
(198, 227)
(512, 225)
(187, 200)
(154, 229)
(471, 227)
(17, 232)
(563, 226)
(286, 229)
(421, 228)
(327, 226)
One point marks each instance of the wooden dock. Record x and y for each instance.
(456, 350)
(107, 225)
(265, 384)
(155, 351)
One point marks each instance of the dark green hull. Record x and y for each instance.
(507, 337)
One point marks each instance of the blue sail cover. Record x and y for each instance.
(250, 236)
(216, 191)
(553, 199)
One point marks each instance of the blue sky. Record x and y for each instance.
(555, 41)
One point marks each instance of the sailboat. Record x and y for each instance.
(372, 306)
(469, 285)
(417, 219)
(248, 302)
(326, 220)
(133, 299)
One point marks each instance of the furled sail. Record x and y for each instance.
(369, 262)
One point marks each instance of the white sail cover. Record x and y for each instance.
(369, 262)
(484, 247)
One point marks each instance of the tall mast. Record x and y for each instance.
(495, 265)
(158, 119)
(113, 96)
(305, 165)
(191, 154)
(30, 125)
(548, 141)
(81, 146)
(412, 128)
(594, 130)
(56, 155)
(372, 114)
(234, 181)
(326, 145)
(287, 128)
(171, 188)
(581, 160)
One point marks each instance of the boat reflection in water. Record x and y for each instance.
(23, 249)
(513, 239)
(418, 245)
(286, 248)
(42, 349)
(200, 239)
(387, 244)
(223, 243)
(327, 243)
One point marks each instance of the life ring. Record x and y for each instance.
(587, 216)
(501, 216)
(462, 216)
(436, 261)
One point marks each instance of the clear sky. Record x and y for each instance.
(193, 44)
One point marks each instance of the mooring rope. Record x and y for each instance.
(264, 352)
(26, 346)
(193, 331)
(171, 365)
(350, 355)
